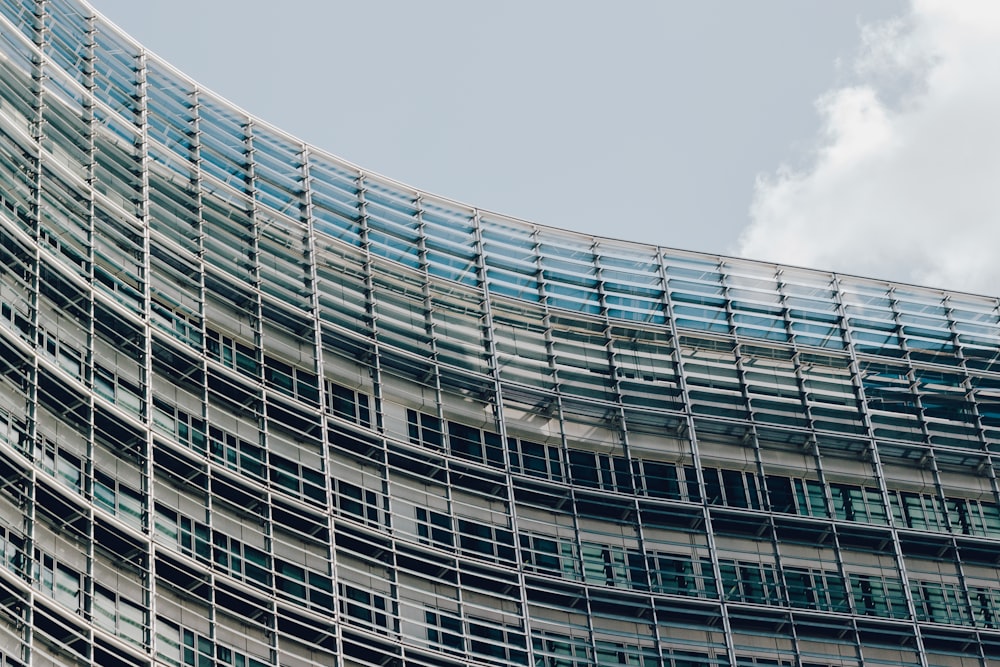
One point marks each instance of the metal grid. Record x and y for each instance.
(260, 407)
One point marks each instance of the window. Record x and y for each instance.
(363, 504)
(11, 550)
(985, 606)
(11, 429)
(658, 479)
(878, 596)
(189, 537)
(241, 561)
(434, 528)
(119, 616)
(614, 566)
(291, 380)
(749, 582)
(532, 458)
(19, 322)
(617, 653)
(424, 429)
(362, 607)
(213, 547)
(119, 391)
(118, 499)
(796, 496)
(444, 631)
(475, 444)
(174, 321)
(601, 471)
(184, 428)
(348, 404)
(549, 555)
(752, 661)
(917, 510)
(57, 581)
(236, 453)
(813, 589)
(973, 517)
(485, 539)
(198, 651)
(300, 480)
(560, 650)
(61, 464)
(66, 356)
(676, 574)
(939, 602)
(857, 503)
(497, 642)
(295, 581)
(731, 487)
(232, 353)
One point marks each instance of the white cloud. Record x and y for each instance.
(905, 180)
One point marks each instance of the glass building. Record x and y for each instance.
(261, 407)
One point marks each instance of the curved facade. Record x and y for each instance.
(260, 407)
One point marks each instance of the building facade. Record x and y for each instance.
(261, 407)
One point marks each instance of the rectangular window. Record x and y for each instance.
(658, 479)
(236, 453)
(673, 575)
(363, 607)
(475, 444)
(118, 499)
(295, 581)
(601, 471)
(811, 589)
(444, 631)
(425, 430)
(549, 555)
(434, 528)
(362, 504)
(749, 582)
(809, 497)
(299, 480)
(484, 539)
(496, 642)
(61, 464)
(179, 425)
(537, 460)
(291, 380)
(878, 596)
(349, 404)
(857, 503)
(917, 510)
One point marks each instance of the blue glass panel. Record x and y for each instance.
(335, 202)
(16, 63)
(508, 247)
(704, 319)
(448, 265)
(712, 288)
(224, 144)
(170, 115)
(22, 14)
(66, 37)
(682, 297)
(512, 284)
(446, 223)
(692, 268)
(278, 172)
(115, 72)
(394, 248)
(875, 343)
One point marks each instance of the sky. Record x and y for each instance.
(856, 136)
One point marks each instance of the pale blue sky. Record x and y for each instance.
(647, 121)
